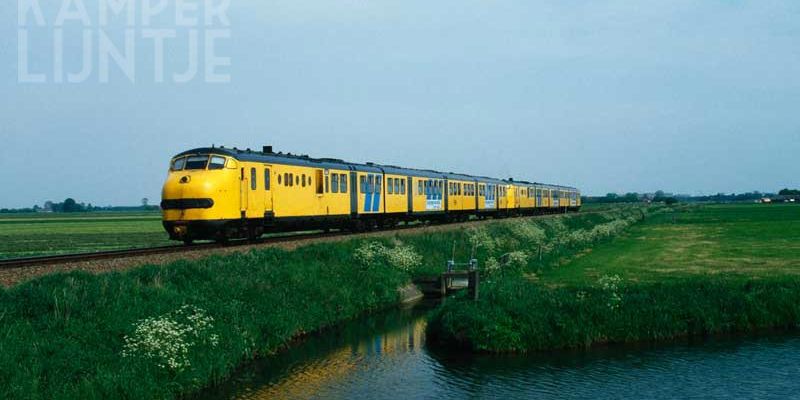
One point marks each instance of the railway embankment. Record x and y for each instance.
(684, 273)
(163, 331)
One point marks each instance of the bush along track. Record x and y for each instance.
(168, 331)
(518, 312)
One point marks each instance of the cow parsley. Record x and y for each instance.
(167, 339)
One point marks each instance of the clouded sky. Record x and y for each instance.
(686, 96)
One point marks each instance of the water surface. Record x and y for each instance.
(386, 357)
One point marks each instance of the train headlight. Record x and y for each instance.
(180, 230)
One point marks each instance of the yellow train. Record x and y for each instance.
(219, 194)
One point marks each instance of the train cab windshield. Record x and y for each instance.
(199, 162)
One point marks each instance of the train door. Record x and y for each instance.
(243, 193)
(410, 187)
(267, 181)
(255, 192)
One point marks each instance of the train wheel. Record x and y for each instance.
(188, 242)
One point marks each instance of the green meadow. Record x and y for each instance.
(27, 235)
(687, 271)
(165, 331)
(627, 273)
(725, 241)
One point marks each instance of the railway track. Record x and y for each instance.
(129, 253)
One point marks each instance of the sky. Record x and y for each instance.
(694, 97)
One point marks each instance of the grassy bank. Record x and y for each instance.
(164, 331)
(694, 271)
(157, 332)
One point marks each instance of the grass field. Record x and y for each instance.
(28, 235)
(749, 240)
(166, 331)
(695, 270)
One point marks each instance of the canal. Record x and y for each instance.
(386, 357)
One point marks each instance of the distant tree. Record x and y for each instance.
(632, 197)
(659, 193)
(670, 201)
(70, 205)
(789, 192)
(145, 201)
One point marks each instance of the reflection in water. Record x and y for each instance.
(386, 357)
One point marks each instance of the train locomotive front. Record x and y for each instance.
(200, 198)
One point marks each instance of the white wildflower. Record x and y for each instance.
(167, 339)
(479, 238)
(610, 284)
(400, 256)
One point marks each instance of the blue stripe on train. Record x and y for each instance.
(367, 201)
(376, 202)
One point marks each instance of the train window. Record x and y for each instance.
(279, 179)
(216, 162)
(320, 187)
(343, 183)
(389, 186)
(371, 184)
(196, 162)
(420, 190)
(327, 184)
(335, 183)
(397, 186)
(266, 179)
(378, 182)
(178, 163)
(427, 188)
(253, 179)
(363, 183)
(297, 180)
(303, 180)
(286, 178)
(402, 186)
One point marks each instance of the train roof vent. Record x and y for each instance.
(267, 150)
